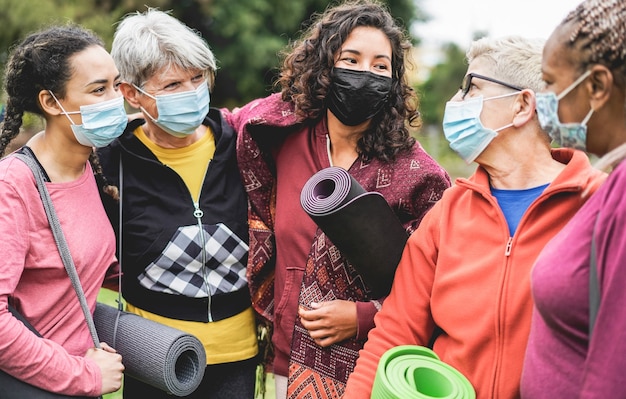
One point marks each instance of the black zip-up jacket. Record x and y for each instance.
(165, 270)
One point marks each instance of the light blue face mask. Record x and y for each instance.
(572, 135)
(464, 130)
(103, 122)
(180, 114)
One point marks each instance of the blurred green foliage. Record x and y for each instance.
(245, 35)
(442, 83)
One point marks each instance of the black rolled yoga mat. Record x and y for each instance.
(360, 223)
(159, 355)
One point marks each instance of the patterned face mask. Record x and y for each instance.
(573, 135)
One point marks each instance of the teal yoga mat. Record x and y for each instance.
(415, 372)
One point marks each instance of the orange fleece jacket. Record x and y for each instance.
(463, 272)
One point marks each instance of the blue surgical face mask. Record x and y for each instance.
(103, 122)
(464, 130)
(573, 135)
(180, 114)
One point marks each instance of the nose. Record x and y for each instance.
(114, 94)
(458, 96)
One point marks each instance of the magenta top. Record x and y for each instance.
(561, 361)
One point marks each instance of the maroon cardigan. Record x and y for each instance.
(411, 185)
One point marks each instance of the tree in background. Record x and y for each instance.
(248, 35)
(245, 35)
(443, 82)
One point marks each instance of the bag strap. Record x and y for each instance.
(59, 238)
(594, 286)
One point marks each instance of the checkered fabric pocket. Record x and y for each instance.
(178, 270)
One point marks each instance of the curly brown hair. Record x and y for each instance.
(305, 75)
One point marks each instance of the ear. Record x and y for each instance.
(524, 108)
(131, 94)
(47, 103)
(600, 85)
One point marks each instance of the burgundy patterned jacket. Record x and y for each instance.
(411, 185)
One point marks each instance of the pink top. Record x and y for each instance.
(33, 275)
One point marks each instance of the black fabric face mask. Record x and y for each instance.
(356, 96)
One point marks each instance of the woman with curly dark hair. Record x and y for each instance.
(311, 68)
(344, 102)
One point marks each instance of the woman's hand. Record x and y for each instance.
(111, 367)
(330, 322)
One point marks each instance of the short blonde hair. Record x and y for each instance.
(515, 60)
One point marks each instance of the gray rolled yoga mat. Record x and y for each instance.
(360, 223)
(159, 355)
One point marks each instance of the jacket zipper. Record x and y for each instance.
(509, 245)
(198, 213)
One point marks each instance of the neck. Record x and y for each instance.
(343, 141)
(521, 167)
(165, 140)
(62, 157)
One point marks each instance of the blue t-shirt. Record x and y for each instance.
(515, 202)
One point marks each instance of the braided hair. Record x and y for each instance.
(597, 30)
(42, 62)
(599, 33)
(39, 62)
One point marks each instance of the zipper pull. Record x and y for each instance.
(197, 213)
(509, 244)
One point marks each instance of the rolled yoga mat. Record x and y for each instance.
(159, 355)
(360, 223)
(415, 372)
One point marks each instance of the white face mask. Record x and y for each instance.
(180, 114)
(464, 130)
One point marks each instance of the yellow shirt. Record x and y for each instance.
(226, 340)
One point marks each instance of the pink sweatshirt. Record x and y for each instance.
(32, 274)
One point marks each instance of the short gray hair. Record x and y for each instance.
(515, 60)
(147, 42)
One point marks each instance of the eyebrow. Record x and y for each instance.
(103, 81)
(359, 53)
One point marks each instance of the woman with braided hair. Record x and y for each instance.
(65, 75)
(584, 106)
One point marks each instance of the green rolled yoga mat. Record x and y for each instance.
(415, 372)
